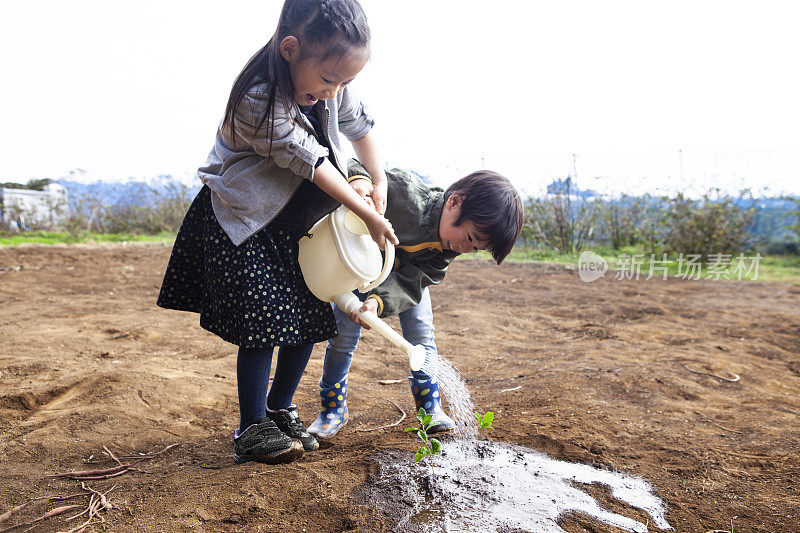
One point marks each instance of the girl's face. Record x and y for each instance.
(319, 80)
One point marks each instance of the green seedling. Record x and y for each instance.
(485, 421)
(430, 446)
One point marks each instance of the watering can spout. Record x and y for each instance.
(348, 303)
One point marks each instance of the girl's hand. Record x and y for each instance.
(367, 152)
(380, 230)
(332, 182)
(371, 304)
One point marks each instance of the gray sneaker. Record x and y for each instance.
(289, 422)
(265, 443)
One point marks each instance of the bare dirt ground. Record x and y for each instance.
(87, 361)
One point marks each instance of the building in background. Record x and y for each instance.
(28, 208)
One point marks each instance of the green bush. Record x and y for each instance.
(620, 220)
(781, 248)
(715, 224)
(796, 214)
(563, 220)
(146, 210)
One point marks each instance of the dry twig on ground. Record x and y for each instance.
(390, 381)
(5, 517)
(97, 502)
(403, 417)
(734, 379)
(720, 426)
(114, 457)
(105, 473)
(92, 474)
(49, 514)
(148, 456)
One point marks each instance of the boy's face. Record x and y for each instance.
(464, 238)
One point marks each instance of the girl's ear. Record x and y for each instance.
(290, 48)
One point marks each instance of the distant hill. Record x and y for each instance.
(562, 186)
(112, 193)
(773, 219)
(32, 185)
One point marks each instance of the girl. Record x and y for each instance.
(275, 169)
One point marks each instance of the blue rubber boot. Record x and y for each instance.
(334, 410)
(426, 395)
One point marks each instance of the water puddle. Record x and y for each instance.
(501, 487)
(478, 485)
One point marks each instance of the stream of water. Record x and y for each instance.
(459, 400)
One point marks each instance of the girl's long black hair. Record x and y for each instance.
(325, 28)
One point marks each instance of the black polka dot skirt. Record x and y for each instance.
(252, 295)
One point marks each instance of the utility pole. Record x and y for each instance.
(574, 167)
(680, 159)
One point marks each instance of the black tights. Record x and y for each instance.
(252, 378)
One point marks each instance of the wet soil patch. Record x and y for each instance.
(490, 486)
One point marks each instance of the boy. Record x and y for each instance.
(482, 211)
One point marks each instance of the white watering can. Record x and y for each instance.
(338, 256)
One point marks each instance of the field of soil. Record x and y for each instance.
(612, 373)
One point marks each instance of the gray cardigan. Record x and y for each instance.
(248, 189)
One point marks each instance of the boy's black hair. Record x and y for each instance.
(494, 206)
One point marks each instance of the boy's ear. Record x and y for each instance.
(455, 200)
(290, 48)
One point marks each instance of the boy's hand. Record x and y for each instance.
(369, 305)
(378, 195)
(363, 187)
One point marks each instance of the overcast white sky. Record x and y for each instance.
(137, 89)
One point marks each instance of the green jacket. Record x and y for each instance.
(414, 209)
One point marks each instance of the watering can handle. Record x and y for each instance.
(388, 263)
(349, 303)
